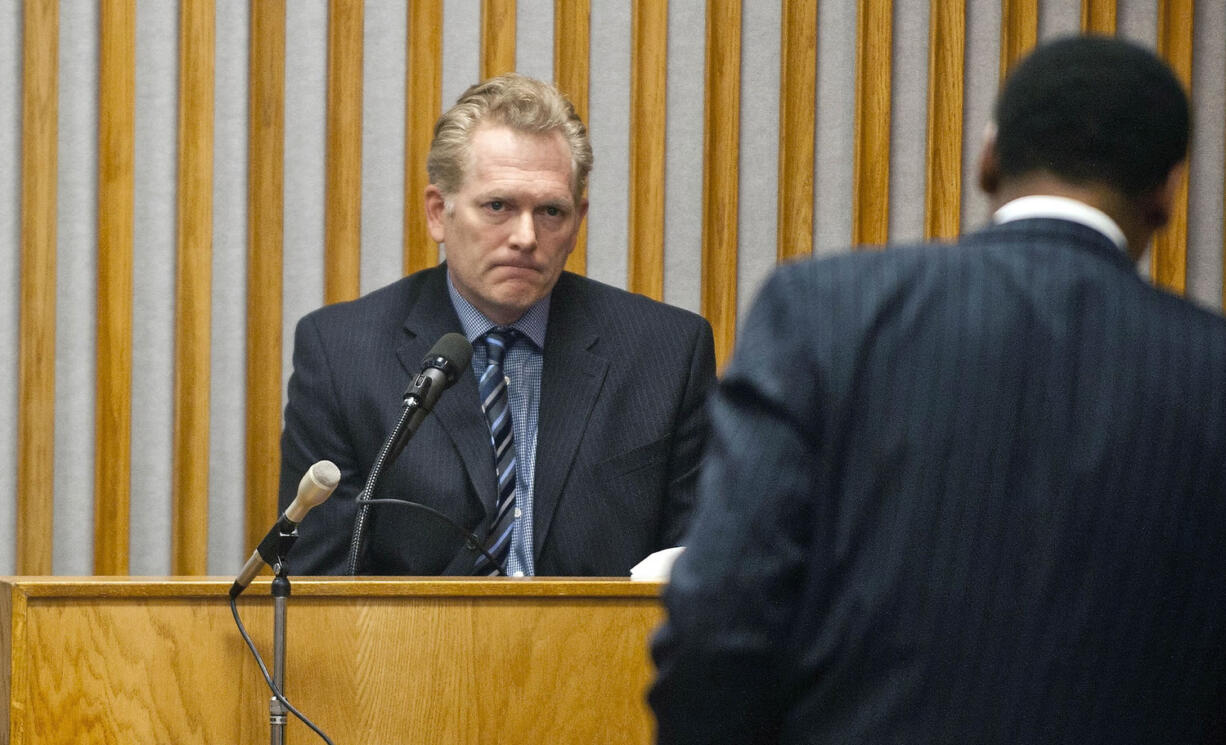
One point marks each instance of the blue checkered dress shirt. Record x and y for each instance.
(523, 367)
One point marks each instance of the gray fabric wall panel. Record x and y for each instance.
(383, 100)
(76, 288)
(683, 157)
(306, 96)
(534, 38)
(1206, 174)
(608, 126)
(10, 273)
(836, 122)
(461, 47)
(909, 120)
(757, 218)
(154, 252)
(228, 371)
(981, 77)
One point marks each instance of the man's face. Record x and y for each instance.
(512, 223)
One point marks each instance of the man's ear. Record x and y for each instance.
(989, 162)
(1158, 204)
(436, 209)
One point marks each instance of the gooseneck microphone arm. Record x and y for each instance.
(443, 365)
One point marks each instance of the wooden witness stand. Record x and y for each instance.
(115, 660)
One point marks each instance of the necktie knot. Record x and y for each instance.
(497, 341)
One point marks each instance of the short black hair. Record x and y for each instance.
(1093, 109)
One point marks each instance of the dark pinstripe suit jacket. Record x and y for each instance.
(959, 494)
(621, 428)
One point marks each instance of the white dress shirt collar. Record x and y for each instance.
(1061, 208)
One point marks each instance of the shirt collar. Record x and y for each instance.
(1061, 208)
(531, 324)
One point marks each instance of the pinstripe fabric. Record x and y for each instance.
(970, 493)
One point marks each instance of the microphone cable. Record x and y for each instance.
(276, 692)
(471, 541)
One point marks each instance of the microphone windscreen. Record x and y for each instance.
(453, 348)
(326, 474)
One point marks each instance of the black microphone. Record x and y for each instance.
(317, 485)
(443, 365)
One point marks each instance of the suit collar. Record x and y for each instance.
(458, 412)
(1049, 229)
(573, 373)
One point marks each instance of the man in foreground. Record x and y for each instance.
(571, 446)
(974, 492)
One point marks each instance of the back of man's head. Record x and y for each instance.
(1093, 110)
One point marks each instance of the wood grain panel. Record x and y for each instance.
(193, 290)
(797, 128)
(946, 62)
(1169, 253)
(36, 336)
(1098, 16)
(343, 199)
(1019, 31)
(571, 68)
(648, 114)
(721, 160)
(113, 414)
(870, 207)
(265, 214)
(423, 104)
(111, 665)
(497, 37)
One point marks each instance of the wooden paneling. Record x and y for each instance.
(571, 49)
(1098, 16)
(720, 178)
(648, 115)
(1019, 30)
(193, 289)
(870, 205)
(423, 104)
(343, 199)
(797, 128)
(497, 37)
(946, 60)
(36, 351)
(1169, 254)
(107, 661)
(113, 413)
(265, 181)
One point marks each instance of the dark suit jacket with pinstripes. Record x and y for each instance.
(620, 433)
(959, 494)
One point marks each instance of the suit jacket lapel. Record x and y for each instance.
(457, 410)
(571, 379)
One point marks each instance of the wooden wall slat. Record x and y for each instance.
(113, 422)
(1098, 16)
(571, 70)
(648, 115)
(946, 63)
(870, 208)
(1169, 254)
(497, 37)
(423, 104)
(721, 160)
(265, 231)
(193, 290)
(343, 202)
(1019, 31)
(797, 128)
(36, 336)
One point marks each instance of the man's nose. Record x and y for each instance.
(523, 231)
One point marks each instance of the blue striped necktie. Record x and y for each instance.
(495, 404)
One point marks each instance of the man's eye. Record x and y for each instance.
(496, 205)
(553, 211)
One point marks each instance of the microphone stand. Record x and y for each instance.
(280, 597)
